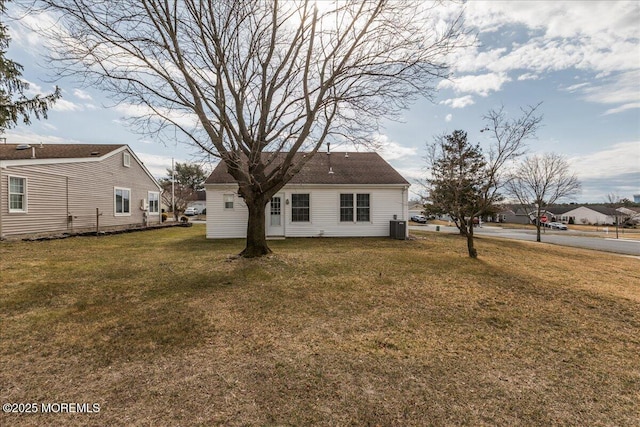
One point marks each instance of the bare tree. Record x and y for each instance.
(540, 181)
(465, 182)
(614, 202)
(248, 80)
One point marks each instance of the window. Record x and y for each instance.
(154, 203)
(346, 207)
(228, 201)
(17, 194)
(362, 207)
(300, 207)
(122, 201)
(126, 159)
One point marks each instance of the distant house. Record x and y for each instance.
(56, 188)
(337, 194)
(416, 208)
(593, 214)
(514, 214)
(200, 201)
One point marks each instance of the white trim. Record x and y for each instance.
(115, 213)
(25, 200)
(126, 159)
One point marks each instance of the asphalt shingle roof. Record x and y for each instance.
(56, 151)
(356, 168)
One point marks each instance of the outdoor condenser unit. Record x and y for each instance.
(398, 229)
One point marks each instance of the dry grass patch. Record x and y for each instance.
(162, 328)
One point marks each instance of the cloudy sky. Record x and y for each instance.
(581, 59)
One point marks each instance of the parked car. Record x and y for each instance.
(419, 218)
(191, 211)
(557, 226)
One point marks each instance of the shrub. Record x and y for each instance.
(164, 217)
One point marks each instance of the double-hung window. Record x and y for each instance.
(361, 212)
(346, 207)
(122, 201)
(17, 194)
(300, 207)
(154, 203)
(228, 201)
(363, 208)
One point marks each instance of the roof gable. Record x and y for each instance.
(335, 168)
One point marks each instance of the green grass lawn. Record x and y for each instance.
(164, 328)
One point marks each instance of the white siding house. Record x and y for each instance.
(596, 215)
(58, 188)
(336, 195)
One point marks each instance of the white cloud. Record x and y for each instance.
(482, 84)
(448, 117)
(599, 37)
(575, 87)
(156, 164)
(79, 93)
(62, 105)
(22, 135)
(528, 76)
(389, 150)
(459, 102)
(134, 111)
(620, 159)
(622, 108)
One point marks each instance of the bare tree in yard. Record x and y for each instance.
(466, 183)
(254, 82)
(540, 181)
(614, 202)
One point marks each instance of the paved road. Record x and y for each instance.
(557, 237)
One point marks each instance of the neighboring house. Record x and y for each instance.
(629, 215)
(337, 194)
(57, 188)
(514, 214)
(416, 209)
(592, 214)
(200, 202)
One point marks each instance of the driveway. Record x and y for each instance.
(556, 237)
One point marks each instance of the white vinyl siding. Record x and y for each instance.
(17, 194)
(154, 203)
(324, 211)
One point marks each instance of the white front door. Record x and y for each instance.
(275, 216)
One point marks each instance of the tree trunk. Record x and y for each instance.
(538, 231)
(473, 253)
(256, 230)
